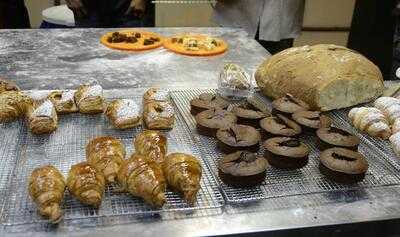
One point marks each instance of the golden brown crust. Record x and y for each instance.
(158, 115)
(155, 94)
(63, 101)
(138, 46)
(180, 49)
(13, 105)
(106, 154)
(42, 117)
(46, 188)
(6, 85)
(152, 144)
(89, 99)
(124, 114)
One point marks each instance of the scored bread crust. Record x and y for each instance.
(325, 76)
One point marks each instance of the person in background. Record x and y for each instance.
(13, 15)
(112, 13)
(274, 23)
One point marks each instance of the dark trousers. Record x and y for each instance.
(274, 47)
(13, 14)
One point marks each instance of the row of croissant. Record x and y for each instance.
(41, 113)
(145, 174)
(381, 121)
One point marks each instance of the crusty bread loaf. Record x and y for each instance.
(325, 76)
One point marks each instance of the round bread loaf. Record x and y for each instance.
(325, 76)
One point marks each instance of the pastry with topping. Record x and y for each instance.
(329, 137)
(249, 114)
(279, 125)
(124, 113)
(343, 165)
(288, 105)
(196, 45)
(158, 115)
(131, 40)
(89, 99)
(155, 94)
(63, 101)
(152, 144)
(13, 105)
(311, 120)
(238, 137)
(207, 101)
(242, 169)
(209, 121)
(286, 152)
(42, 117)
(371, 121)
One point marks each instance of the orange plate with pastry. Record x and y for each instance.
(134, 40)
(196, 45)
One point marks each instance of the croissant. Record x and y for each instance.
(89, 99)
(106, 154)
(42, 117)
(183, 174)
(13, 105)
(158, 115)
(142, 177)
(6, 85)
(124, 113)
(46, 188)
(152, 144)
(371, 121)
(63, 101)
(86, 184)
(389, 106)
(395, 142)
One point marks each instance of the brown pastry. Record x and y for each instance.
(209, 121)
(238, 137)
(288, 105)
(158, 115)
(183, 174)
(106, 154)
(143, 177)
(207, 101)
(279, 125)
(155, 94)
(89, 99)
(330, 137)
(42, 117)
(311, 120)
(286, 152)
(86, 184)
(242, 169)
(343, 165)
(13, 105)
(6, 85)
(249, 114)
(63, 101)
(46, 188)
(124, 113)
(152, 144)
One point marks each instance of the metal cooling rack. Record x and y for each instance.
(283, 183)
(66, 147)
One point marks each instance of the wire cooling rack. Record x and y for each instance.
(66, 147)
(279, 183)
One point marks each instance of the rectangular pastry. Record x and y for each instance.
(158, 115)
(42, 118)
(124, 113)
(63, 101)
(89, 99)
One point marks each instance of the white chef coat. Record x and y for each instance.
(278, 19)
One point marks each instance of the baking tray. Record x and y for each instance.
(280, 183)
(66, 147)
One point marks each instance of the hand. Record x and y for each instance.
(77, 7)
(139, 7)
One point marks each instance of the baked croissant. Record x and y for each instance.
(371, 121)
(13, 105)
(86, 184)
(389, 106)
(6, 85)
(106, 154)
(46, 188)
(152, 144)
(158, 115)
(42, 117)
(143, 177)
(124, 113)
(89, 99)
(63, 101)
(183, 174)
(155, 94)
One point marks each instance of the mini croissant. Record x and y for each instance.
(143, 177)
(46, 188)
(86, 183)
(107, 155)
(152, 144)
(183, 174)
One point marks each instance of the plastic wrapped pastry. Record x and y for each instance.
(42, 118)
(46, 188)
(13, 105)
(234, 82)
(143, 177)
(106, 154)
(389, 106)
(63, 101)
(155, 94)
(158, 115)
(183, 174)
(152, 144)
(86, 184)
(89, 99)
(371, 121)
(124, 113)
(6, 85)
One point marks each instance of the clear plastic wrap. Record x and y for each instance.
(234, 82)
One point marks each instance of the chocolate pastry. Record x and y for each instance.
(286, 152)
(311, 120)
(242, 169)
(330, 137)
(248, 114)
(238, 137)
(209, 121)
(279, 125)
(288, 105)
(207, 101)
(343, 165)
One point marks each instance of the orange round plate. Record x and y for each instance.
(138, 46)
(179, 48)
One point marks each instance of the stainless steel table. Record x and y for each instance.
(54, 59)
